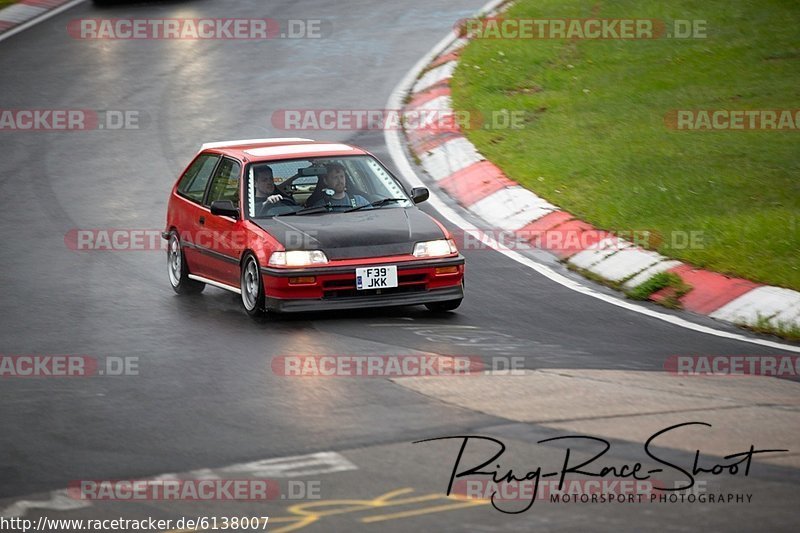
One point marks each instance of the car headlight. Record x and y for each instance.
(294, 258)
(435, 248)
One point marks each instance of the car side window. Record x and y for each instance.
(194, 180)
(225, 183)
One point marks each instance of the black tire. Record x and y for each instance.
(252, 287)
(443, 307)
(177, 271)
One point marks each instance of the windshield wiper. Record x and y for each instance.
(306, 211)
(377, 203)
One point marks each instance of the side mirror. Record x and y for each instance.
(224, 208)
(419, 194)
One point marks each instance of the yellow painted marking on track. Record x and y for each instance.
(306, 514)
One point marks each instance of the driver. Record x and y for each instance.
(335, 179)
(266, 191)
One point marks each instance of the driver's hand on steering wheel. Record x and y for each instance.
(275, 198)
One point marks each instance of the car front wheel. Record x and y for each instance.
(177, 270)
(252, 287)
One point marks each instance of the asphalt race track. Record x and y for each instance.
(206, 396)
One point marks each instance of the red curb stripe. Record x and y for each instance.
(428, 95)
(475, 182)
(441, 60)
(422, 136)
(540, 226)
(710, 290)
(567, 237)
(4, 25)
(424, 139)
(549, 221)
(441, 83)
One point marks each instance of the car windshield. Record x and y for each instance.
(321, 185)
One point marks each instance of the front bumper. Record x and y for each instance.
(419, 282)
(363, 302)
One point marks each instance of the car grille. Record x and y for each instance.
(346, 288)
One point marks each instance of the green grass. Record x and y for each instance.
(4, 3)
(786, 330)
(595, 142)
(660, 281)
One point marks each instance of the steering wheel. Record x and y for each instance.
(280, 207)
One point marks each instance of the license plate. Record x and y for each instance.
(376, 277)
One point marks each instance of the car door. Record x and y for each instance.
(191, 193)
(223, 236)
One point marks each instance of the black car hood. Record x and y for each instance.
(364, 233)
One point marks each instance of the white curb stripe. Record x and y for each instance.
(394, 144)
(787, 316)
(434, 76)
(450, 157)
(626, 263)
(598, 252)
(20, 13)
(512, 208)
(440, 103)
(765, 301)
(649, 272)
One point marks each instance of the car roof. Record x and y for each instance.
(260, 150)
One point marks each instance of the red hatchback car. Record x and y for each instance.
(298, 225)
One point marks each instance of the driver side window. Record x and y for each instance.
(225, 183)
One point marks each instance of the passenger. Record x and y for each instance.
(335, 179)
(266, 191)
